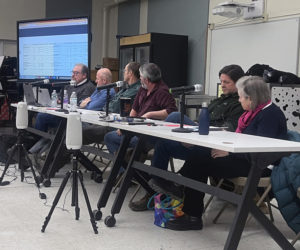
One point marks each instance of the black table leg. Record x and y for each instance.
(116, 208)
(118, 161)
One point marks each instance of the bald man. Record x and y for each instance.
(98, 99)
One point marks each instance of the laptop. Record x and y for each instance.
(29, 96)
(43, 96)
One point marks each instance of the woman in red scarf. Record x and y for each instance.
(261, 118)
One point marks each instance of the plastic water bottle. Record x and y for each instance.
(66, 100)
(54, 99)
(73, 102)
(204, 120)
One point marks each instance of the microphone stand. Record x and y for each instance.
(181, 129)
(37, 94)
(107, 101)
(62, 101)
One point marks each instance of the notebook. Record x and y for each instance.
(29, 96)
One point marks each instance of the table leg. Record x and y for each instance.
(118, 161)
(118, 202)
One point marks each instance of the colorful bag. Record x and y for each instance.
(165, 208)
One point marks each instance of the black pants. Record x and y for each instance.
(200, 165)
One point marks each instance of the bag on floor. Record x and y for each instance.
(165, 208)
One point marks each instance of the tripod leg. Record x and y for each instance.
(8, 161)
(75, 188)
(31, 167)
(75, 195)
(20, 162)
(93, 222)
(56, 199)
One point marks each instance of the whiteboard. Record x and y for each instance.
(274, 43)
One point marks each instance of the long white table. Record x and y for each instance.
(262, 151)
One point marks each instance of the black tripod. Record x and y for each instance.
(19, 146)
(76, 174)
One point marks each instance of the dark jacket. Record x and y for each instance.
(82, 91)
(285, 181)
(225, 111)
(129, 92)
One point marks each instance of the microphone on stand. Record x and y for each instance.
(61, 84)
(112, 85)
(184, 89)
(40, 82)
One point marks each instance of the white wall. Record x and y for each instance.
(274, 10)
(10, 12)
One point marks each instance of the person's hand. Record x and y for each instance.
(187, 145)
(85, 102)
(119, 133)
(215, 153)
(147, 115)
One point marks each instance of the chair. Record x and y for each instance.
(298, 234)
(148, 157)
(240, 182)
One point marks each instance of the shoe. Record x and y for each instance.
(185, 223)
(141, 205)
(166, 187)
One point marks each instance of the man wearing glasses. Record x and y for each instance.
(83, 89)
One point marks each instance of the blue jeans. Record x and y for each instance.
(113, 141)
(44, 121)
(165, 149)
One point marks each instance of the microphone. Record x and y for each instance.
(60, 84)
(183, 89)
(111, 85)
(40, 82)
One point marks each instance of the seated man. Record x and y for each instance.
(98, 99)
(94, 133)
(223, 111)
(153, 101)
(95, 102)
(83, 89)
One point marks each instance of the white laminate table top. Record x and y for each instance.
(223, 140)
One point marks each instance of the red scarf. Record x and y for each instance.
(247, 117)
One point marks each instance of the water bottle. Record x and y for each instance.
(204, 120)
(54, 99)
(66, 100)
(73, 102)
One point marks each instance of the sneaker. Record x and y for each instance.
(185, 223)
(166, 187)
(141, 205)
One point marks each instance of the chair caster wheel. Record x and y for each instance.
(97, 215)
(98, 178)
(47, 183)
(110, 221)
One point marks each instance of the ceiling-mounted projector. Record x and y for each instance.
(232, 9)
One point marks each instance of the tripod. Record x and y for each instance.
(19, 146)
(76, 174)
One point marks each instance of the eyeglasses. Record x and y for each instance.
(75, 73)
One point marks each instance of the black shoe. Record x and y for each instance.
(141, 205)
(166, 187)
(185, 223)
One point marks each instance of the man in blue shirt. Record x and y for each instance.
(98, 99)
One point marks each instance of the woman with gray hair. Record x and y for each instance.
(261, 118)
